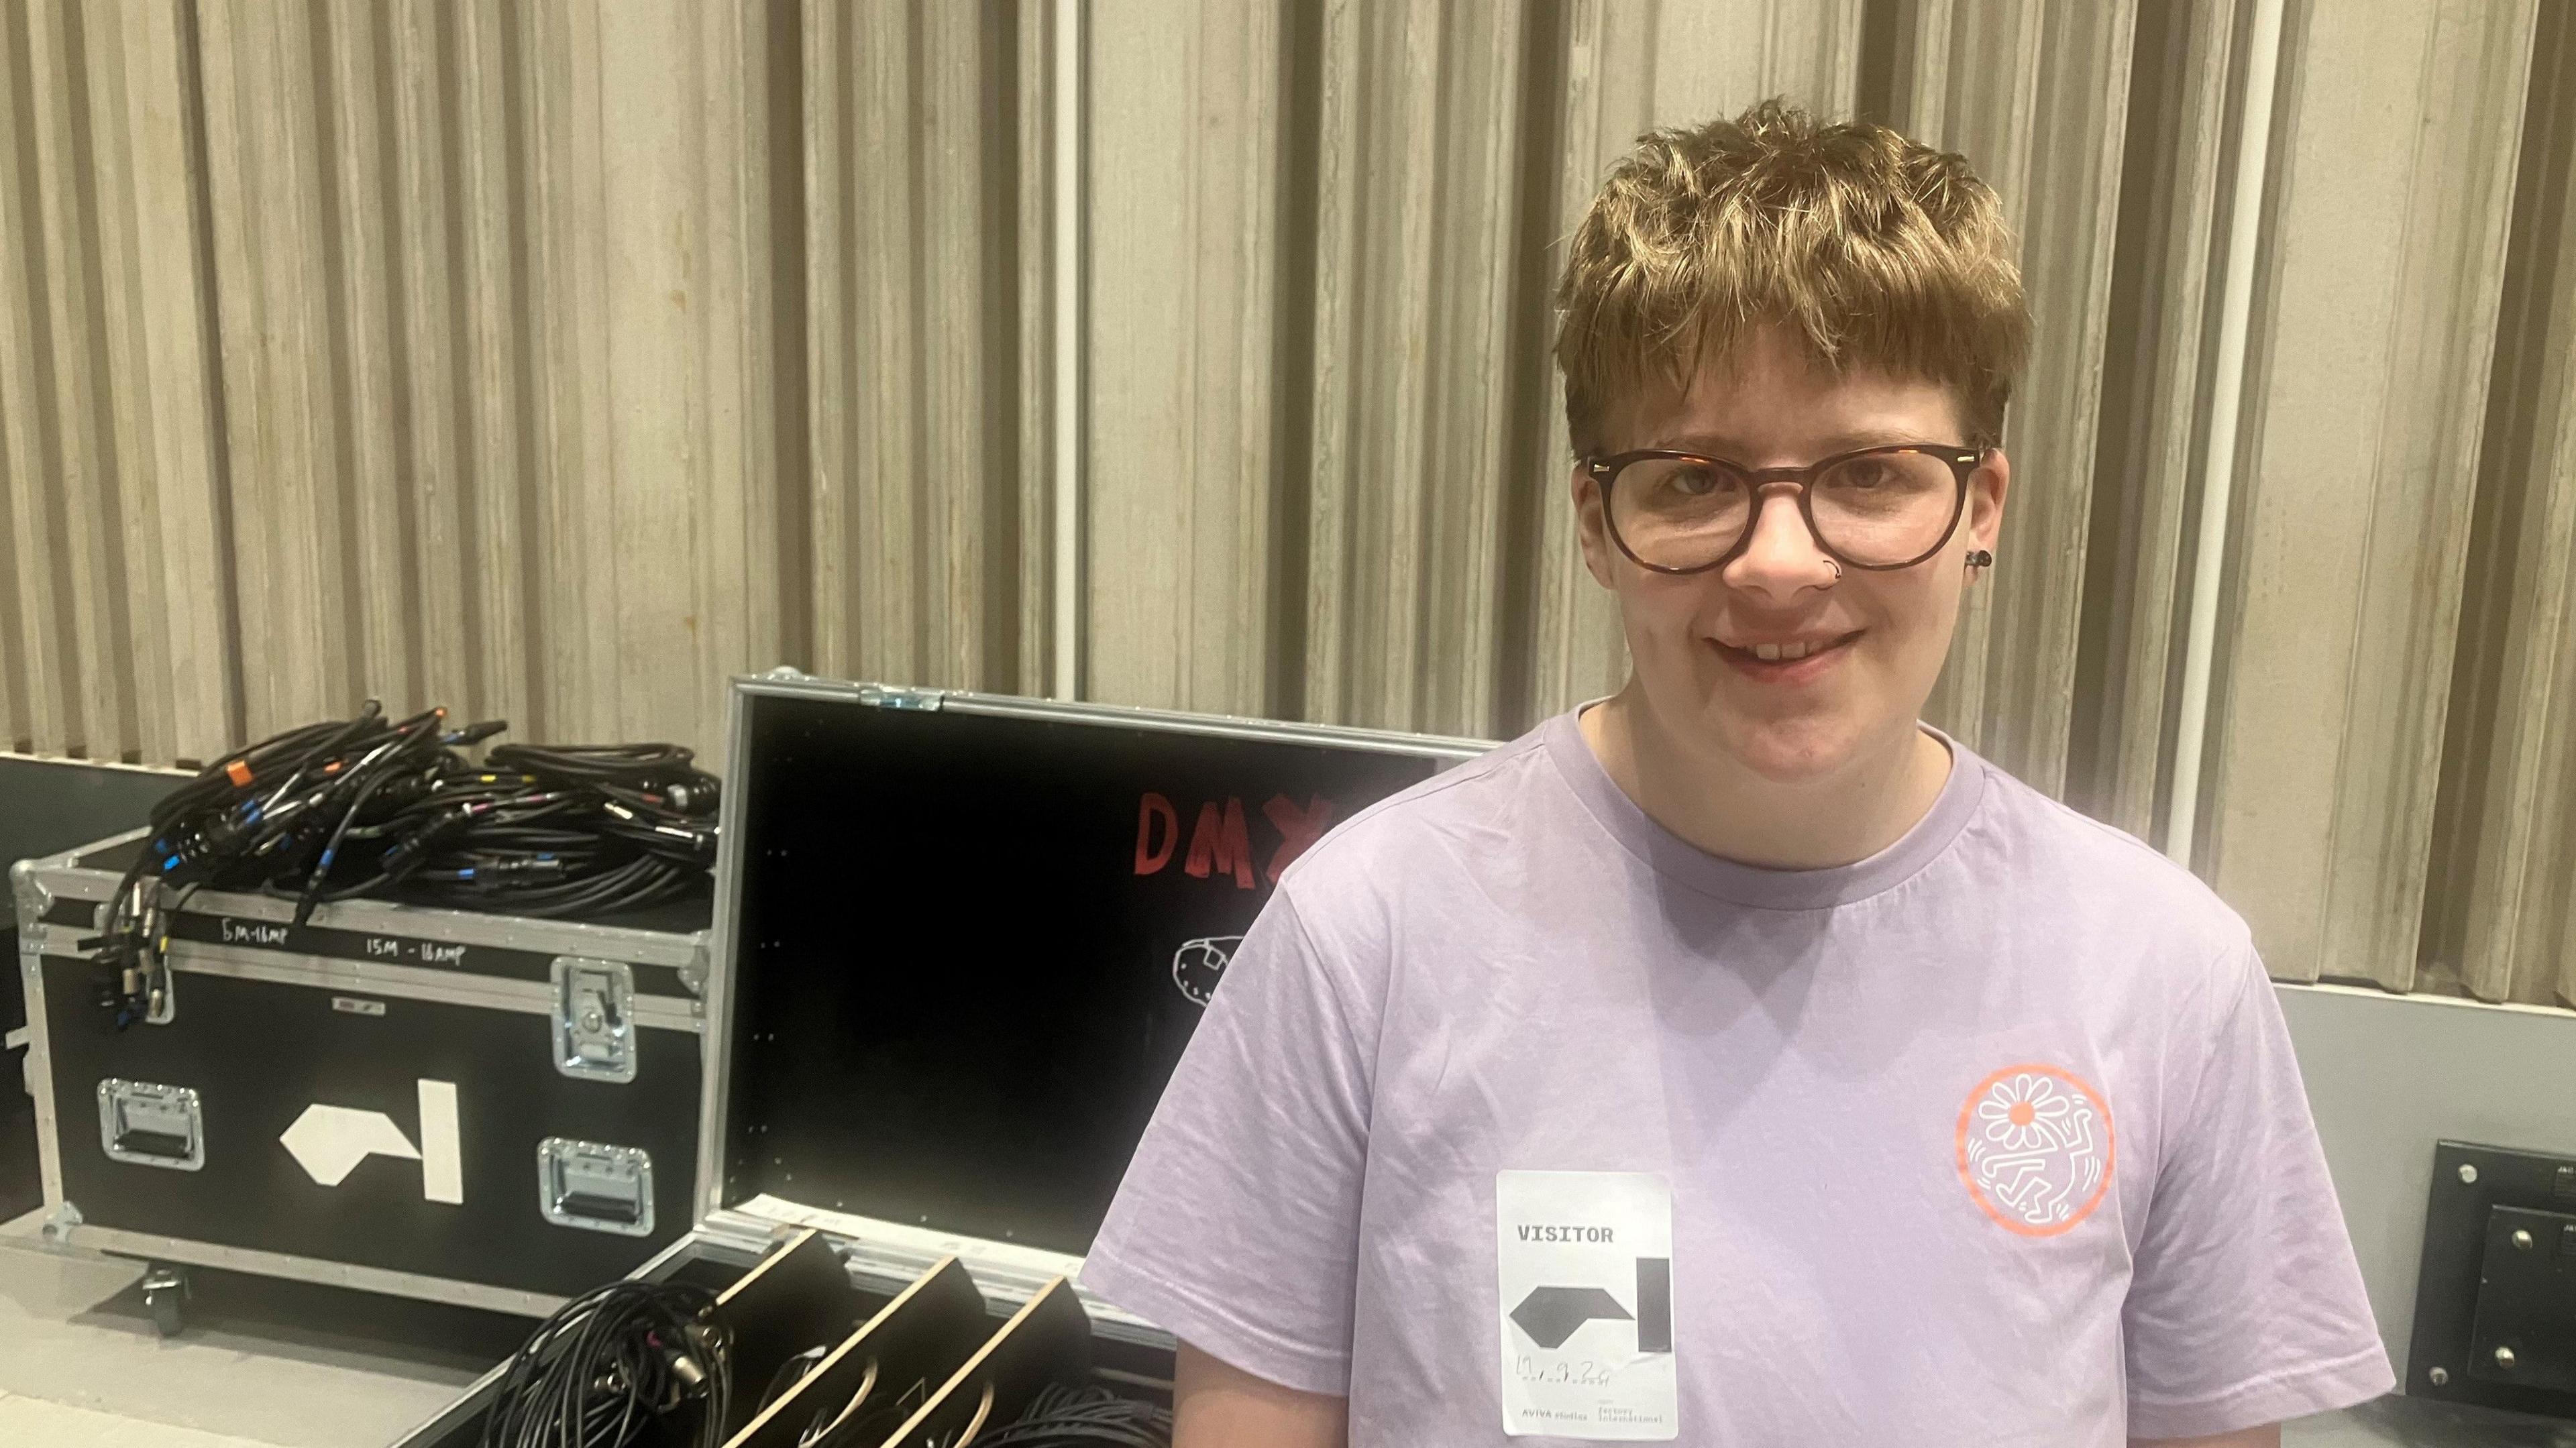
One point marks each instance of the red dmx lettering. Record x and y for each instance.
(1221, 843)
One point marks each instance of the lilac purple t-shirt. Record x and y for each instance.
(1993, 1137)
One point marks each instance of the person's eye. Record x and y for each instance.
(1691, 481)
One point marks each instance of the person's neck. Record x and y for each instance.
(1735, 814)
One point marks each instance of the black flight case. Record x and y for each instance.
(960, 942)
(481, 1109)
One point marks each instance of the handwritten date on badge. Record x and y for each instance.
(1584, 1374)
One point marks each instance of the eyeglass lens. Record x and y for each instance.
(1879, 508)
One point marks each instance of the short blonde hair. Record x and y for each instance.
(1863, 246)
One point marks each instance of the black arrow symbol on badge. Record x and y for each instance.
(1550, 1315)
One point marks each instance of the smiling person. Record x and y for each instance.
(1737, 1060)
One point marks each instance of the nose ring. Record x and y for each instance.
(1836, 565)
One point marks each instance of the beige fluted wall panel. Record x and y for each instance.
(1415, 290)
(2518, 932)
(2499, 920)
(2037, 95)
(2151, 429)
(496, 342)
(36, 686)
(1695, 60)
(2397, 135)
(1044, 217)
(926, 250)
(1184, 153)
(300, 531)
(62, 343)
(655, 145)
(185, 641)
(114, 623)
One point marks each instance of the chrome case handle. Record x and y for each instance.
(147, 1124)
(595, 1187)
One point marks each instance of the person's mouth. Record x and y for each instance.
(1786, 658)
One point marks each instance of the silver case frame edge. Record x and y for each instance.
(310, 1269)
(33, 897)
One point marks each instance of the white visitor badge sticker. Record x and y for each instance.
(1585, 1262)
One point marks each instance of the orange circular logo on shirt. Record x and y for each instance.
(2035, 1149)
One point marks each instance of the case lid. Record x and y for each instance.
(961, 940)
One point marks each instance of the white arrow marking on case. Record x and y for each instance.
(330, 1141)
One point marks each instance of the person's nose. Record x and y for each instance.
(1783, 556)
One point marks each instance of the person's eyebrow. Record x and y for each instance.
(1723, 447)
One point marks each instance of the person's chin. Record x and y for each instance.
(1796, 749)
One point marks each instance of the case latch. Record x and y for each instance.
(594, 1019)
(889, 696)
(597, 1188)
(151, 1125)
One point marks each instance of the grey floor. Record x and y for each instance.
(82, 1367)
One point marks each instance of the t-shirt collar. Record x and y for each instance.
(1687, 864)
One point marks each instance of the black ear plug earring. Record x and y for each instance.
(1980, 558)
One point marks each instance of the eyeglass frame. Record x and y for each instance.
(1963, 460)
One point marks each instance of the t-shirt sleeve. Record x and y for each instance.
(1237, 1225)
(2246, 1306)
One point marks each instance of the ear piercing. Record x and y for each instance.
(1980, 558)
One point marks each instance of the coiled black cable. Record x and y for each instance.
(370, 806)
(613, 1361)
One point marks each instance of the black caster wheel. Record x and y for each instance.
(165, 1291)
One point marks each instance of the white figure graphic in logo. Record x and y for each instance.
(2032, 1145)
(1199, 964)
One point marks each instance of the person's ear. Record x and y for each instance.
(1986, 489)
(1590, 527)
